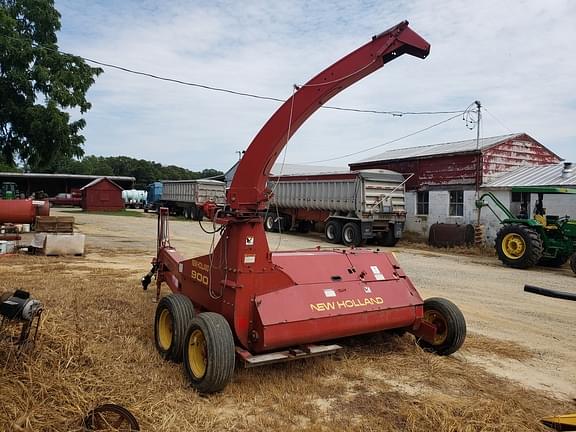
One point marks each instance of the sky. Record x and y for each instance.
(515, 57)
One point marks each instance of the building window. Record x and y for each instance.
(456, 203)
(520, 204)
(422, 203)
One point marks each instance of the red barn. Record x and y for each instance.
(457, 163)
(102, 194)
(443, 177)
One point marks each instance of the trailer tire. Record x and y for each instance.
(450, 324)
(388, 238)
(304, 226)
(209, 353)
(333, 231)
(173, 316)
(573, 263)
(197, 213)
(351, 234)
(518, 246)
(270, 224)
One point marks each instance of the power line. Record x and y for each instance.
(234, 92)
(388, 142)
(255, 96)
(496, 118)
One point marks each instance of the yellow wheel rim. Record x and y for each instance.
(197, 354)
(165, 330)
(513, 246)
(438, 321)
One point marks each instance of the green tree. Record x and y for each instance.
(36, 84)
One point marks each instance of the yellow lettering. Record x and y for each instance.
(197, 276)
(345, 304)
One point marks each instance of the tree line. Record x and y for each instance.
(144, 171)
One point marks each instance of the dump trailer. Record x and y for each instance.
(243, 301)
(354, 206)
(186, 197)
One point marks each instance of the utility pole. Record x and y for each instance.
(240, 153)
(478, 151)
(478, 229)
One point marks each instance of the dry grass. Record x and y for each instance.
(96, 347)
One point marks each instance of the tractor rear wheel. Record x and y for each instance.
(173, 315)
(209, 353)
(450, 326)
(333, 231)
(351, 234)
(573, 263)
(518, 246)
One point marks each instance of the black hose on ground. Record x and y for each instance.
(550, 293)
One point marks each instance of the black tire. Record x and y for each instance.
(173, 316)
(304, 226)
(573, 263)
(209, 353)
(270, 223)
(558, 261)
(518, 246)
(388, 238)
(450, 323)
(351, 234)
(333, 231)
(197, 213)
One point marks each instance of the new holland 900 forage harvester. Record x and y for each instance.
(243, 300)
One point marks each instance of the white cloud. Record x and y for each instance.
(513, 56)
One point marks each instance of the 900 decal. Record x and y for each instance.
(196, 272)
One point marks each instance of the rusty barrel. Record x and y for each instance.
(22, 211)
(445, 235)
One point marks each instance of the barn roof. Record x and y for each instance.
(98, 180)
(562, 174)
(439, 149)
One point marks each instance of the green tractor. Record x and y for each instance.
(543, 240)
(9, 190)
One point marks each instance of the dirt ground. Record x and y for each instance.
(518, 363)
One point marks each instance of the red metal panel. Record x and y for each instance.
(520, 151)
(285, 334)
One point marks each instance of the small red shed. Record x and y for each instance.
(102, 194)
